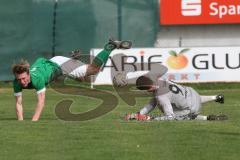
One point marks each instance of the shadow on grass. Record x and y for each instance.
(227, 133)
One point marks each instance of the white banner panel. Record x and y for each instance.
(205, 64)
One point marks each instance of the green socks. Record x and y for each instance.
(102, 57)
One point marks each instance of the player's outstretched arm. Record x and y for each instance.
(19, 108)
(39, 107)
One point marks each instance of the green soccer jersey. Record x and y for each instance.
(41, 73)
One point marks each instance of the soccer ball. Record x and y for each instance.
(120, 80)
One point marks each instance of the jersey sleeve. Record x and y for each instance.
(166, 105)
(149, 107)
(39, 84)
(17, 88)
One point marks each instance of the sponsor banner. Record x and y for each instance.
(203, 64)
(199, 11)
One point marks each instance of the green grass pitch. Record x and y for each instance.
(111, 138)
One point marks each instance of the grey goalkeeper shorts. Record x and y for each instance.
(195, 101)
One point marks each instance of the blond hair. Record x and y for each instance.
(21, 67)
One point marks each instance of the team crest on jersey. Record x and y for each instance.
(33, 69)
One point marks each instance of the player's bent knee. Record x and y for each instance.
(92, 69)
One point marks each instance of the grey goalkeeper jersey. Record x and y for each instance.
(176, 100)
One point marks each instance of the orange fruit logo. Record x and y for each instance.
(177, 61)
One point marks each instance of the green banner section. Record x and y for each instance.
(44, 28)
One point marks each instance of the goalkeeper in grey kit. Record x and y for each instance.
(176, 102)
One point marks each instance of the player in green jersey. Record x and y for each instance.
(43, 71)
